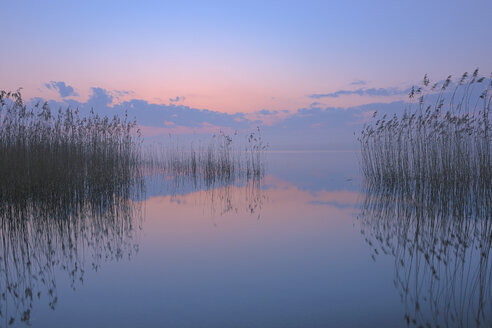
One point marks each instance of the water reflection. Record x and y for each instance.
(205, 260)
(441, 242)
(45, 236)
(249, 197)
(215, 199)
(42, 235)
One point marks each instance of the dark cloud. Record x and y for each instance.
(154, 115)
(100, 98)
(267, 112)
(177, 99)
(381, 92)
(62, 88)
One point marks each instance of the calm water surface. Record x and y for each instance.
(293, 250)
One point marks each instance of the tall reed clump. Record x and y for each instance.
(222, 160)
(428, 200)
(442, 143)
(67, 190)
(63, 157)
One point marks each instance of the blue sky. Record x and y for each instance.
(240, 57)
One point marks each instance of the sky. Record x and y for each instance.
(263, 62)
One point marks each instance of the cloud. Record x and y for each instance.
(267, 117)
(359, 82)
(314, 127)
(152, 115)
(100, 98)
(121, 93)
(373, 92)
(267, 112)
(177, 99)
(62, 88)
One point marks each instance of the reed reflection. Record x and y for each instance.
(441, 241)
(74, 234)
(216, 197)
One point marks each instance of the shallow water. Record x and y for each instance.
(292, 250)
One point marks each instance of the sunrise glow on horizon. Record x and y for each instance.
(240, 57)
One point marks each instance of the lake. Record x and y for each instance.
(305, 246)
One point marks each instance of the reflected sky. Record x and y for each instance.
(286, 251)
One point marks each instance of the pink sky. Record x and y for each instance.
(240, 58)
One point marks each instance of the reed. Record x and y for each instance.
(50, 157)
(440, 144)
(427, 179)
(220, 161)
